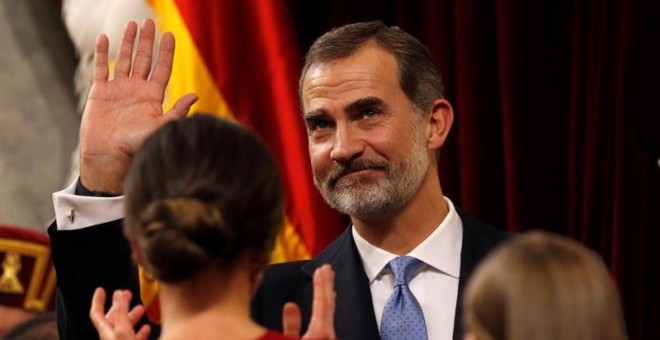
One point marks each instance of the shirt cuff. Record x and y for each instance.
(74, 212)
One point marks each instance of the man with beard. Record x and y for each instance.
(373, 105)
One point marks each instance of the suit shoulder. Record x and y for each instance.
(283, 272)
(479, 239)
(480, 232)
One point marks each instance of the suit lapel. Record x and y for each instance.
(354, 314)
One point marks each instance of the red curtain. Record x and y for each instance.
(554, 127)
(254, 59)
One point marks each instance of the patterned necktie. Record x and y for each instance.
(403, 317)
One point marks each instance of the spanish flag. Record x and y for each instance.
(242, 60)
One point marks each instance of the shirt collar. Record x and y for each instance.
(441, 250)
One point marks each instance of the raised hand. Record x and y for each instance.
(121, 113)
(118, 323)
(321, 325)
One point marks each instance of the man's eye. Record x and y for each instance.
(321, 125)
(369, 113)
(317, 124)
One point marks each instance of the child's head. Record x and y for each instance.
(543, 286)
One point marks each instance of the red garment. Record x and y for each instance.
(273, 335)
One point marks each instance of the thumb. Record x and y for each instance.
(181, 107)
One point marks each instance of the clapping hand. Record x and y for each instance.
(118, 323)
(321, 325)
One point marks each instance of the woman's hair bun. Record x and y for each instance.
(202, 191)
(182, 235)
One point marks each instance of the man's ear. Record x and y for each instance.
(441, 118)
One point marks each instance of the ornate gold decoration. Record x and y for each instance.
(39, 292)
(9, 282)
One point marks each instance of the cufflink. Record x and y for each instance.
(72, 215)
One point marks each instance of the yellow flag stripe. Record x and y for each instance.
(189, 73)
(288, 245)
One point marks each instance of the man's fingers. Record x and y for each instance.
(125, 53)
(163, 68)
(101, 58)
(291, 320)
(181, 107)
(142, 63)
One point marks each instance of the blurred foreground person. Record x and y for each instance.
(204, 203)
(543, 286)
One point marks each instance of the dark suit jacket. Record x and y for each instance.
(100, 256)
(354, 315)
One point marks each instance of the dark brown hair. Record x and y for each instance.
(418, 74)
(201, 191)
(543, 286)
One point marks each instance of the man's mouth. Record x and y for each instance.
(348, 173)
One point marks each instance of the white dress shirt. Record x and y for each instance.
(435, 287)
(76, 212)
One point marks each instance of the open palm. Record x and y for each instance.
(121, 113)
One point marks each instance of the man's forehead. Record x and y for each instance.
(367, 58)
(324, 84)
(358, 72)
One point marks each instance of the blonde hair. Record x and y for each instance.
(543, 286)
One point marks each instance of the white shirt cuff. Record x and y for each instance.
(74, 212)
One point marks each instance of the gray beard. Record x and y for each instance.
(369, 200)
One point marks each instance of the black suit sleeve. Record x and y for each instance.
(97, 256)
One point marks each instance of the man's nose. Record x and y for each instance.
(348, 144)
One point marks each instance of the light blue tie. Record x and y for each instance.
(403, 317)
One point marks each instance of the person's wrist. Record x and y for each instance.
(81, 190)
(103, 175)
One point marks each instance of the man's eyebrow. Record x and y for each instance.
(364, 103)
(314, 114)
